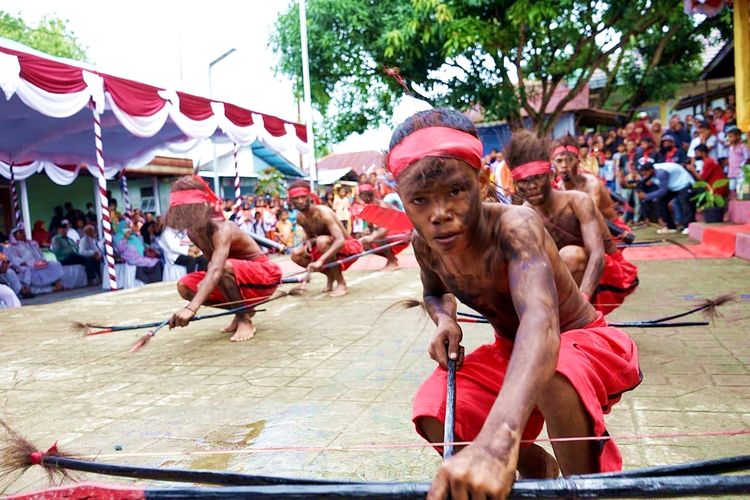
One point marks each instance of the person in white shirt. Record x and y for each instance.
(179, 250)
(674, 184)
(8, 298)
(704, 137)
(70, 231)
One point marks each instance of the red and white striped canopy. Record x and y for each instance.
(46, 122)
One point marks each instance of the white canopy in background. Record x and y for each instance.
(47, 125)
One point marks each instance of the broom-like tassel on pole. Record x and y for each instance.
(351, 258)
(709, 308)
(89, 329)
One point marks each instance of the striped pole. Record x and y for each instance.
(237, 191)
(106, 223)
(124, 188)
(14, 195)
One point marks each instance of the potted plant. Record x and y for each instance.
(709, 201)
(744, 194)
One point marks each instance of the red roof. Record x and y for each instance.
(580, 101)
(359, 161)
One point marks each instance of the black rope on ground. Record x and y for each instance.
(651, 487)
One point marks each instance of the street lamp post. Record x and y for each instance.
(217, 183)
(308, 98)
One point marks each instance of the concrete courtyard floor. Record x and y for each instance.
(326, 372)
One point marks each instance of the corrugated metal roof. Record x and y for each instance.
(359, 161)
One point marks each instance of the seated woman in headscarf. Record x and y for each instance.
(40, 235)
(32, 268)
(149, 234)
(132, 250)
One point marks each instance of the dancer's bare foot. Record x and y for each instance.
(392, 265)
(535, 463)
(340, 291)
(245, 331)
(329, 285)
(232, 326)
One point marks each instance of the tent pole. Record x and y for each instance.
(237, 189)
(157, 201)
(14, 195)
(25, 214)
(104, 202)
(308, 98)
(99, 218)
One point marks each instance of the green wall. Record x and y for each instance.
(44, 195)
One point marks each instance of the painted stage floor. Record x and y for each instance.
(334, 373)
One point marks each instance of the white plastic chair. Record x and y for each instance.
(74, 276)
(125, 274)
(173, 272)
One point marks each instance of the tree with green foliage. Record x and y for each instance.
(271, 182)
(653, 65)
(51, 36)
(507, 57)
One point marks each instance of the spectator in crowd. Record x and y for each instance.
(285, 229)
(114, 215)
(259, 227)
(72, 213)
(607, 171)
(627, 181)
(75, 230)
(57, 218)
(674, 183)
(739, 155)
(40, 235)
(133, 251)
(8, 297)
(589, 162)
(679, 132)
(706, 138)
(90, 213)
(32, 268)
(648, 152)
(712, 170)
(178, 250)
(342, 205)
(9, 278)
(671, 152)
(656, 131)
(66, 251)
(89, 246)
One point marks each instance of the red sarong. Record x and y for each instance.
(619, 279)
(600, 361)
(396, 249)
(257, 278)
(351, 247)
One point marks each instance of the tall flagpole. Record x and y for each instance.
(308, 97)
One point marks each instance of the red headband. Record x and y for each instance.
(365, 188)
(190, 196)
(530, 169)
(435, 141)
(565, 149)
(299, 191)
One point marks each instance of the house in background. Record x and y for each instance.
(251, 161)
(348, 166)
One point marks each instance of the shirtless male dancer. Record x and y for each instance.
(571, 218)
(565, 157)
(379, 235)
(326, 239)
(554, 358)
(238, 271)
